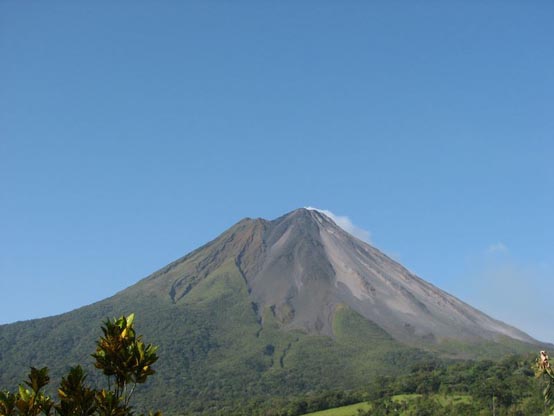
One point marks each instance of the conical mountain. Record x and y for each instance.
(302, 266)
(268, 308)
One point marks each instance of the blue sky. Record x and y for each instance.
(133, 132)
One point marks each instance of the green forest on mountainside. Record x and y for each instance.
(428, 385)
(222, 367)
(224, 362)
(222, 357)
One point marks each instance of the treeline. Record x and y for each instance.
(504, 388)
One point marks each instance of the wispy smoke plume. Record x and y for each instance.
(346, 224)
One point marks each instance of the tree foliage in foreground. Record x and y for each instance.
(544, 370)
(122, 357)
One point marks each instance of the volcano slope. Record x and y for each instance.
(269, 309)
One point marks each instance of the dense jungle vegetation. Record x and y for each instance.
(513, 385)
(436, 387)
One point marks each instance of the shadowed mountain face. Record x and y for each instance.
(268, 309)
(302, 266)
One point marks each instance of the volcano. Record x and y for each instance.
(302, 267)
(278, 307)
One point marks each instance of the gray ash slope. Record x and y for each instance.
(302, 266)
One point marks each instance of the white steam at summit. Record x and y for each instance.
(346, 224)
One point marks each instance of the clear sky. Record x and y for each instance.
(133, 132)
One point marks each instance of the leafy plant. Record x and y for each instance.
(544, 370)
(28, 402)
(120, 354)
